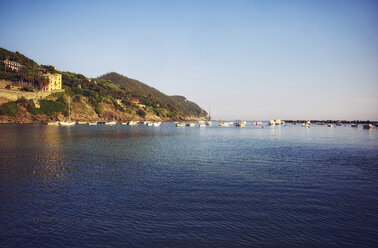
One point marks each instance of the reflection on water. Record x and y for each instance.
(32, 152)
(187, 187)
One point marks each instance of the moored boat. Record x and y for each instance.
(53, 123)
(110, 123)
(223, 124)
(369, 126)
(132, 123)
(180, 124)
(67, 123)
(240, 124)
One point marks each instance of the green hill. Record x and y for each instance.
(156, 98)
(108, 97)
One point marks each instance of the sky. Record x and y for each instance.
(252, 59)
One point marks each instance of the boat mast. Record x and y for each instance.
(69, 109)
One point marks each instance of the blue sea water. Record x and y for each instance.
(122, 186)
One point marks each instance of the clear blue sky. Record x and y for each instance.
(243, 59)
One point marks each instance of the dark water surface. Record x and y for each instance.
(121, 186)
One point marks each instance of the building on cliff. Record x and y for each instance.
(12, 64)
(55, 82)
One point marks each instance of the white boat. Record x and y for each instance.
(124, 123)
(272, 123)
(278, 122)
(92, 123)
(82, 123)
(209, 123)
(132, 123)
(180, 124)
(53, 123)
(69, 122)
(110, 123)
(223, 124)
(190, 124)
(240, 124)
(330, 125)
(156, 124)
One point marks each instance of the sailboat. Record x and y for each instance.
(209, 123)
(69, 122)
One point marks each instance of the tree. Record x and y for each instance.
(141, 113)
(42, 82)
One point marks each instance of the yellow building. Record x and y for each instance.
(55, 82)
(12, 64)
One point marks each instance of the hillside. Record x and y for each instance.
(175, 103)
(108, 97)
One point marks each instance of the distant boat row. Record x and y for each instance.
(201, 124)
(110, 123)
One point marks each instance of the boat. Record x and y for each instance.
(240, 124)
(156, 124)
(110, 123)
(82, 123)
(202, 125)
(369, 126)
(209, 123)
(69, 122)
(180, 124)
(132, 123)
(190, 124)
(272, 123)
(92, 123)
(53, 123)
(223, 124)
(330, 125)
(354, 125)
(124, 123)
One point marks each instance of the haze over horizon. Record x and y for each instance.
(242, 59)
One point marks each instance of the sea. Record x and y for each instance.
(141, 186)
